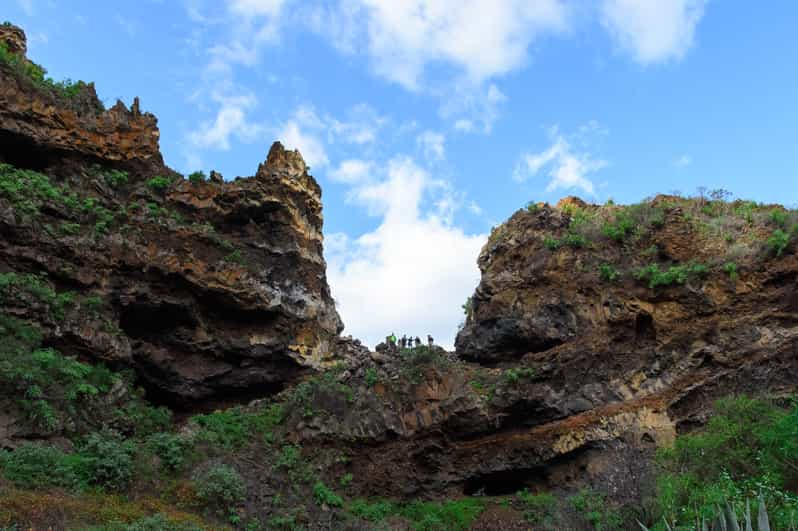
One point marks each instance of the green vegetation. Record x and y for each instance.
(24, 286)
(532, 207)
(593, 508)
(537, 508)
(416, 361)
(748, 449)
(115, 178)
(159, 183)
(66, 89)
(235, 258)
(27, 190)
(678, 274)
(371, 377)
(325, 496)
(608, 273)
(197, 177)
(730, 268)
(551, 243)
(778, 242)
(778, 217)
(234, 427)
(514, 375)
(103, 459)
(221, 488)
(454, 515)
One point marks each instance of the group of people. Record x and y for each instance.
(407, 342)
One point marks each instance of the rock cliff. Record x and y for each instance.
(207, 289)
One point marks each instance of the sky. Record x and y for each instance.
(427, 122)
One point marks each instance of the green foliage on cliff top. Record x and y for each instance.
(66, 89)
(453, 515)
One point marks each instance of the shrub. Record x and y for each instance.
(115, 178)
(69, 228)
(197, 177)
(778, 242)
(749, 447)
(325, 496)
(537, 508)
(371, 377)
(592, 507)
(107, 460)
(221, 488)
(778, 217)
(532, 207)
(608, 273)
(573, 239)
(512, 376)
(35, 466)
(678, 274)
(170, 449)
(159, 183)
(730, 268)
(235, 426)
(289, 458)
(235, 258)
(551, 243)
(454, 515)
(620, 228)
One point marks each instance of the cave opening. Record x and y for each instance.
(147, 320)
(505, 482)
(22, 153)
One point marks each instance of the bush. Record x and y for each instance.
(678, 274)
(371, 377)
(512, 376)
(325, 496)
(537, 508)
(551, 243)
(170, 449)
(532, 207)
(778, 217)
(778, 242)
(107, 460)
(159, 183)
(730, 268)
(454, 515)
(608, 273)
(592, 507)
(35, 466)
(750, 447)
(619, 229)
(221, 488)
(197, 177)
(115, 178)
(235, 426)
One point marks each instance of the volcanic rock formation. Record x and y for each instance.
(208, 289)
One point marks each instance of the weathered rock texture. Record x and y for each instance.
(205, 289)
(570, 379)
(45, 122)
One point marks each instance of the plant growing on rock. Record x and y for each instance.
(608, 273)
(197, 177)
(678, 274)
(159, 183)
(221, 488)
(778, 242)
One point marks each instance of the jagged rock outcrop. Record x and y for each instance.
(575, 368)
(43, 121)
(208, 290)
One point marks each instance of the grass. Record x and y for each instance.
(677, 274)
(452, 515)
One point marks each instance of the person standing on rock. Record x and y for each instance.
(430, 341)
(393, 340)
(403, 342)
(418, 341)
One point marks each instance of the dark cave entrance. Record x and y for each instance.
(147, 320)
(504, 482)
(19, 151)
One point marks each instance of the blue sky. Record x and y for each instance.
(429, 121)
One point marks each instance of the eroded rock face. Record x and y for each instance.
(208, 290)
(40, 119)
(567, 379)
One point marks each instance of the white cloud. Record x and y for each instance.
(352, 171)
(480, 38)
(230, 121)
(653, 30)
(683, 161)
(412, 273)
(568, 168)
(361, 126)
(466, 126)
(252, 8)
(304, 132)
(432, 144)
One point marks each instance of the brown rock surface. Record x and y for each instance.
(208, 290)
